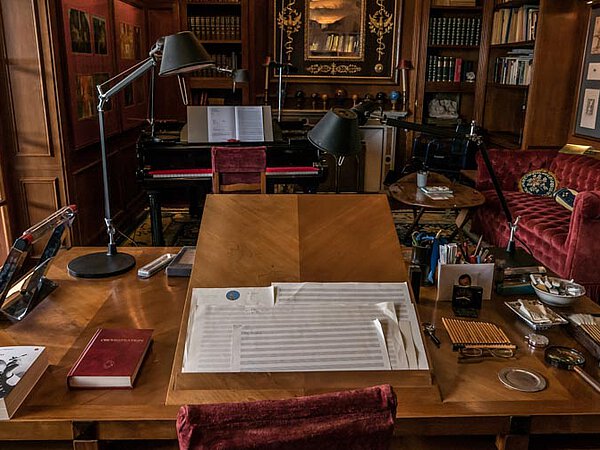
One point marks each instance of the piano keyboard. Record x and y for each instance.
(207, 173)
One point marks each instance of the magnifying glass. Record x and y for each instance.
(570, 359)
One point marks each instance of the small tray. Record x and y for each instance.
(557, 319)
(181, 266)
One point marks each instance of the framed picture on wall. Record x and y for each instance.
(351, 40)
(89, 56)
(587, 122)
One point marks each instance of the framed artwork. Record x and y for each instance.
(587, 120)
(131, 49)
(89, 51)
(99, 25)
(350, 40)
(79, 30)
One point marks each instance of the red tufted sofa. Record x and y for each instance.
(567, 243)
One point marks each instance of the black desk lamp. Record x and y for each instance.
(337, 133)
(178, 53)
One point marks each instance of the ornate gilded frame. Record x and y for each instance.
(378, 53)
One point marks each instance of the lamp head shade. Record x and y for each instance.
(337, 133)
(182, 52)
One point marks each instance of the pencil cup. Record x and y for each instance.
(421, 178)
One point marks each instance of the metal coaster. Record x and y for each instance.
(524, 380)
(537, 340)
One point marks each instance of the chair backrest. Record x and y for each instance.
(361, 419)
(239, 169)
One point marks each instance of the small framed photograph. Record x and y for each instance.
(586, 123)
(100, 44)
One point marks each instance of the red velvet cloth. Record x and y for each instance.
(566, 243)
(239, 164)
(350, 420)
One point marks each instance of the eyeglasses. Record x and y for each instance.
(476, 353)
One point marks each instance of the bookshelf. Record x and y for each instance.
(451, 41)
(221, 26)
(526, 77)
(531, 73)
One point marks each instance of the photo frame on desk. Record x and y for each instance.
(449, 275)
(89, 47)
(587, 120)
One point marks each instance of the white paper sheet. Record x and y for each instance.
(362, 293)
(210, 331)
(249, 124)
(309, 347)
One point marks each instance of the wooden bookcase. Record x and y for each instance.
(222, 28)
(451, 41)
(524, 116)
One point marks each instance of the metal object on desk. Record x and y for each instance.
(429, 330)
(570, 359)
(520, 379)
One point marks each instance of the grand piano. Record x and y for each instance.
(167, 162)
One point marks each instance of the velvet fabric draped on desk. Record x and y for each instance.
(349, 420)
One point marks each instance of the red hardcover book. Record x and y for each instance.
(458, 70)
(111, 359)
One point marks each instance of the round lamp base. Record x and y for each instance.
(100, 265)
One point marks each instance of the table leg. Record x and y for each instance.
(86, 445)
(512, 442)
(464, 215)
(415, 224)
(156, 219)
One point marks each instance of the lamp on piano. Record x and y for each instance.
(178, 53)
(337, 133)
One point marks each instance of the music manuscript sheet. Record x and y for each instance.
(303, 327)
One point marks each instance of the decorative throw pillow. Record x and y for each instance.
(566, 197)
(538, 182)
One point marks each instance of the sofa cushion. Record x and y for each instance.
(538, 182)
(544, 225)
(578, 172)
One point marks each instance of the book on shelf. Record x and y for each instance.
(515, 68)
(515, 24)
(112, 359)
(458, 31)
(215, 28)
(448, 69)
(20, 369)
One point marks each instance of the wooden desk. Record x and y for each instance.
(65, 321)
(465, 399)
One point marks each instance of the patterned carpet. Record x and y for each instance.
(181, 229)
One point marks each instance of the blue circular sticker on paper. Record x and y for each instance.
(232, 295)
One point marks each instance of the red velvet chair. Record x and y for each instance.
(239, 169)
(351, 420)
(566, 242)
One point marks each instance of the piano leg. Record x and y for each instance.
(156, 219)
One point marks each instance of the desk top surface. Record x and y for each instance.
(65, 321)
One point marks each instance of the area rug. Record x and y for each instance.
(431, 222)
(179, 229)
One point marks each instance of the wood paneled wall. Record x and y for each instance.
(32, 145)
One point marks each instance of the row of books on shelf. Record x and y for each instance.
(212, 28)
(515, 68)
(448, 68)
(214, 1)
(334, 42)
(515, 24)
(454, 30)
(111, 359)
(230, 60)
(454, 3)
